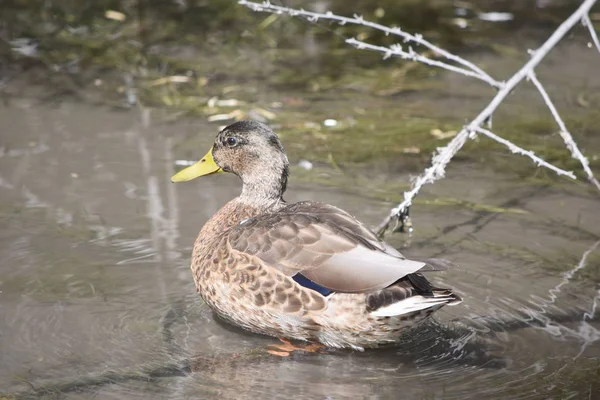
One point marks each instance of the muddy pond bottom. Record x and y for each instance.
(98, 300)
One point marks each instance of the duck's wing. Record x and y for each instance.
(326, 245)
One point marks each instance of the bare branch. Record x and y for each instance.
(396, 50)
(445, 154)
(430, 175)
(564, 133)
(588, 23)
(528, 153)
(358, 20)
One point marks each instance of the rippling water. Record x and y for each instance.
(98, 302)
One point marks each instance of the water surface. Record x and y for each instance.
(95, 278)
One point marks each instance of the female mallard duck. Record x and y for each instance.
(306, 271)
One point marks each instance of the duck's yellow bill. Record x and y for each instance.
(206, 166)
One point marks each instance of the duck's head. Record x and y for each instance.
(250, 150)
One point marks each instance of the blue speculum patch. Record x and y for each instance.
(307, 283)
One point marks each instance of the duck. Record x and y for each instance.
(304, 271)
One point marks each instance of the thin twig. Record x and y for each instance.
(430, 175)
(588, 23)
(564, 133)
(528, 153)
(358, 20)
(396, 50)
(445, 154)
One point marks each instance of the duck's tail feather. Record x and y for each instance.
(412, 293)
(425, 288)
(415, 303)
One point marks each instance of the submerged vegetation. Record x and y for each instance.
(217, 61)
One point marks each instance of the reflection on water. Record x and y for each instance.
(98, 301)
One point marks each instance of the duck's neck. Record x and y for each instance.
(264, 189)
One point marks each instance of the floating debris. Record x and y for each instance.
(496, 16)
(115, 15)
(228, 103)
(215, 102)
(232, 88)
(582, 100)
(265, 113)
(330, 123)
(236, 114)
(305, 164)
(184, 163)
(411, 150)
(169, 79)
(460, 22)
(219, 117)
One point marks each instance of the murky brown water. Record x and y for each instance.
(94, 278)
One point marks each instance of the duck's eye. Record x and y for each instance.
(231, 141)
